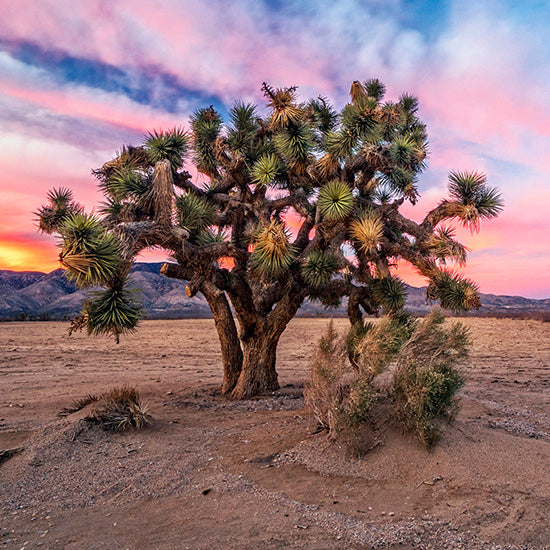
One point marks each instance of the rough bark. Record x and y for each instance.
(232, 355)
(258, 374)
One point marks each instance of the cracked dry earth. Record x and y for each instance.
(210, 473)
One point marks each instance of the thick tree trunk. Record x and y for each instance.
(258, 374)
(232, 355)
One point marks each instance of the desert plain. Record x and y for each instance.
(210, 473)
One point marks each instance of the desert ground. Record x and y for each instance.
(210, 473)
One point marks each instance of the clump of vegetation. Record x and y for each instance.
(398, 367)
(116, 410)
(339, 399)
(426, 379)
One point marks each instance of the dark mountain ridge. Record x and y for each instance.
(36, 295)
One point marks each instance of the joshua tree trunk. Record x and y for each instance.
(258, 374)
(259, 342)
(232, 355)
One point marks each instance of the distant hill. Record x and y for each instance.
(31, 294)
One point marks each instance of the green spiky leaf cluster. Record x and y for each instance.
(207, 125)
(127, 183)
(112, 311)
(88, 252)
(319, 267)
(266, 170)
(444, 247)
(244, 125)
(454, 292)
(335, 200)
(195, 213)
(171, 146)
(390, 293)
(60, 206)
(473, 199)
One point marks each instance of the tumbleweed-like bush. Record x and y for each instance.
(427, 379)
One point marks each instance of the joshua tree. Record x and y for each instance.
(339, 177)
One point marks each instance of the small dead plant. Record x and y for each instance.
(116, 410)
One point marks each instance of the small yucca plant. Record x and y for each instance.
(120, 409)
(116, 410)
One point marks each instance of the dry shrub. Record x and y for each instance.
(374, 346)
(419, 358)
(339, 399)
(427, 380)
(116, 410)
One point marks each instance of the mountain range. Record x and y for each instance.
(36, 295)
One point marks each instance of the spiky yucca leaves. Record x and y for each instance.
(112, 311)
(444, 247)
(266, 170)
(88, 251)
(206, 124)
(367, 230)
(390, 293)
(60, 206)
(375, 88)
(335, 200)
(453, 291)
(472, 200)
(319, 267)
(171, 145)
(403, 152)
(120, 409)
(127, 183)
(401, 181)
(273, 252)
(194, 213)
(244, 125)
(282, 102)
(294, 143)
(324, 117)
(359, 119)
(208, 236)
(341, 144)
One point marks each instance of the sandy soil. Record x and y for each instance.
(211, 474)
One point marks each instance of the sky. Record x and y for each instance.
(80, 79)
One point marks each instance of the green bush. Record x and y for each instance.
(344, 390)
(427, 380)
